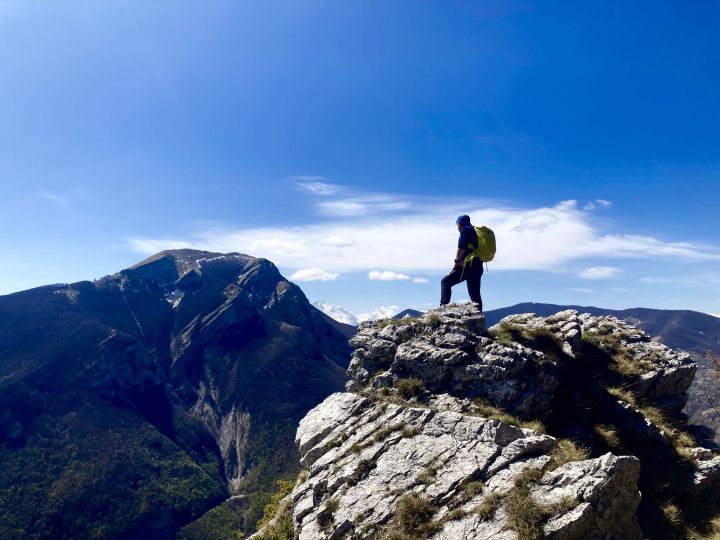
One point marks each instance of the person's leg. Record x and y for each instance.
(453, 278)
(474, 274)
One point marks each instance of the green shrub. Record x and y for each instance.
(272, 508)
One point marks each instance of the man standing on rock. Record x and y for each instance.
(471, 272)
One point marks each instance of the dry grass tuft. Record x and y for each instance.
(488, 506)
(485, 409)
(566, 451)
(409, 388)
(525, 515)
(712, 533)
(428, 475)
(672, 513)
(413, 519)
(608, 434)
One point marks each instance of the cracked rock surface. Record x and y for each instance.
(662, 374)
(450, 351)
(363, 457)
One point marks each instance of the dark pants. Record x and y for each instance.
(472, 274)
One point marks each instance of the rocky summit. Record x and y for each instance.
(564, 427)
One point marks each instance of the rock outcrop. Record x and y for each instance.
(449, 430)
(449, 351)
(365, 457)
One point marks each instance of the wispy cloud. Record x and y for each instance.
(344, 208)
(583, 290)
(386, 275)
(602, 203)
(64, 198)
(53, 197)
(316, 185)
(363, 206)
(421, 280)
(313, 274)
(600, 272)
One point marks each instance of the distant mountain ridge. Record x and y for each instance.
(144, 398)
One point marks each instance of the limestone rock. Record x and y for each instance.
(705, 479)
(661, 374)
(449, 350)
(361, 464)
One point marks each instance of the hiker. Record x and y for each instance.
(470, 272)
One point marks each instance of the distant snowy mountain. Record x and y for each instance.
(342, 315)
(383, 312)
(338, 313)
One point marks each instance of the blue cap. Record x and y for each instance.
(463, 220)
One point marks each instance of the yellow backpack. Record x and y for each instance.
(485, 250)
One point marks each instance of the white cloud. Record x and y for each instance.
(313, 274)
(343, 208)
(313, 185)
(583, 290)
(338, 241)
(600, 272)
(604, 203)
(423, 239)
(386, 275)
(420, 280)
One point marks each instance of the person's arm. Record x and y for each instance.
(459, 257)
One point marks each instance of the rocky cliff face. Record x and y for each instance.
(189, 371)
(535, 428)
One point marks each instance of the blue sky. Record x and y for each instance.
(342, 138)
